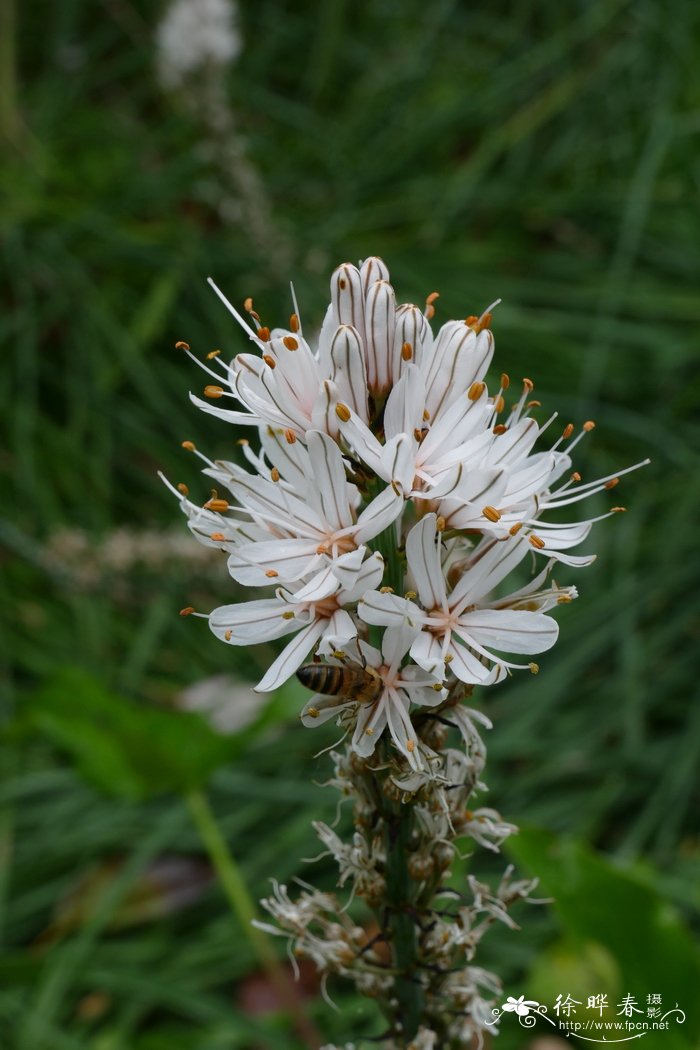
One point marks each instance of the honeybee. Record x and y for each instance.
(352, 682)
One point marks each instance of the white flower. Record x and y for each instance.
(194, 34)
(398, 687)
(457, 630)
(316, 612)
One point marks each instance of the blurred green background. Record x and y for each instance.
(543, 152)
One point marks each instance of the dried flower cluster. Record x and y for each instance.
(391, 501)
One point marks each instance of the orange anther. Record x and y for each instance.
(218, 537)
(440, 523)
(406, 351)
(505, 381)
(290, 342)
(568, 430)
(294, 323)
(343, 412)
(528, 384)
(290, 437)
(248, 304)
(189, 445)
(219, 506)
(187, 611)
(476, 390)
(537, 542)
(181, 345)
(491, 513)
(589, 425)
(264, 334)
(499, 404)
(213, 391)
(271, 573)
(227, 634)
(274, 474)
(515, 529)
(212, 354)
(500, 428)
(612, 483)
(269, 360)
(575, 476)
(183, 489)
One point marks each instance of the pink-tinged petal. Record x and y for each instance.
(492, 562)
(373, 269)
(347, 297)
(413, 329)
(296, 373)
(269, 501)
(291, 657)
(398, 461)
(481, 488)
(363, 442)
(226, 414)
(454, 365)
(468, 668)
(378, 515)
(561, 537)
(274, 400)
(401, 729)
(380, 322)
(347, 566)
(287, 560)
(422, 689)
(368, 578)
(371, 720)
(323, 411)
(395, 644)
(510, 448)
(572, 560)
(340, 632)
(257, 621)
(423, 555)
(292, 460)
(348, 369)
(508, 630)
(389, 610)
(328, 492)
(456, 425)
(531, 479)
(320, 709)
(427, 652)
(323, 584)
(403, 412)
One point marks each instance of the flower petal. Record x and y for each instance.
(291, 657)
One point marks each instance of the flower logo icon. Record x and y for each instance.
(520, 1006)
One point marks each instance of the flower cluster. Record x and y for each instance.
(390, 514)
(390, 499)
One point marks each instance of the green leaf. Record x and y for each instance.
(618, 931)
(121, 747)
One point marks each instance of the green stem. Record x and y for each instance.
(402, 926)
(244, 909)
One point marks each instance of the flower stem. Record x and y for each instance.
(401, 920)
(244, 909)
